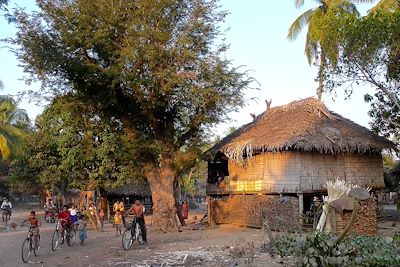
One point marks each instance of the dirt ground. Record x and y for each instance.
(195, 245)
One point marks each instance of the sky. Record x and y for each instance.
(256, 32)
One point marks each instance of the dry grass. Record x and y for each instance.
(305, 125)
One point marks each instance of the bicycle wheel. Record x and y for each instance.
(127, 239)
(71, 237)
(55, 240)
(36, 247)
(26, 250)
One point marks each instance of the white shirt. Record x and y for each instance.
(73, 211)
(6, 203)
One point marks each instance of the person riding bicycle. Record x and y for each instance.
(34, 224)
(48, 213)
(64, 216)
(137, 210)
(6, 206)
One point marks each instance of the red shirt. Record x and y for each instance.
(34, 222)
(64, 215)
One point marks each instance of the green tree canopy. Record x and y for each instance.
(370, 55)
(154, 65)
(74, 146)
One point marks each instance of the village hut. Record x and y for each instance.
(128, 194)
(274, 167)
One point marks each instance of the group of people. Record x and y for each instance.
(74, 217)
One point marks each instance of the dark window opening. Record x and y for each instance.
(217, 168)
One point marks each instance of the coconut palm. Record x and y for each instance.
(14, 123)
(386, 5)
(313, 18)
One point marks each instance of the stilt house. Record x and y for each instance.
(273, 167)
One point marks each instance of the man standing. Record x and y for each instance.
(137, 210)
(6, 206)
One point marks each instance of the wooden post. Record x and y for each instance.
(108, 212)
(209, 211)
(301, 208)
(93, 220)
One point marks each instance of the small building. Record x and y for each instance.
(128, 194)
(273, 167)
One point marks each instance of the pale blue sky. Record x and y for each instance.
(257, 36)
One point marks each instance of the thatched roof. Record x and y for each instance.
(303, 125)
(133, 188)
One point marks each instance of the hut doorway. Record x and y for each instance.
(312, 210)
(217, 168)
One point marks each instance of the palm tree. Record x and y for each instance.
(313, 19)
(14, 124)
(386, 5)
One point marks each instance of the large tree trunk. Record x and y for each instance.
(161, 181)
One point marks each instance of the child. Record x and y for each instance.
(74, 214)
(84, 212)
(118, 221)
(185, 210)
(35, 223)
(64, 216)
(82, 228)
(101, 217)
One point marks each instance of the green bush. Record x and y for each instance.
(320, 249)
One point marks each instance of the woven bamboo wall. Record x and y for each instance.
(282, 213)
(294, 172)
(364, 170)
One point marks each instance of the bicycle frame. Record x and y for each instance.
(33, 245)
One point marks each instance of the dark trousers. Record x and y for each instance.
(142, 225)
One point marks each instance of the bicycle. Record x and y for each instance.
(69, 235)
(30, 244)
(131, 234)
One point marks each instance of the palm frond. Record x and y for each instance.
(299, 23)
(4, 148)
(299, 3)
(311, 49)
(386, 6)
(347, 6)
(7, 107)
(20, 119)
(362, 1)
(10, 130)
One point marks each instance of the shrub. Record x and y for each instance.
(321, 249)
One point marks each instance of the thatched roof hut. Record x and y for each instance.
(290, 150)
(303, 125)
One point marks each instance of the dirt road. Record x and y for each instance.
(221, 246)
